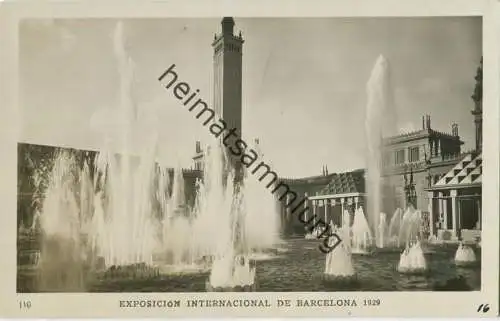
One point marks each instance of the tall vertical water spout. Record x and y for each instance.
(379, 121)
(395, 228)
(62, 250)
(125, 211)
(382, 231)
(214, 206)
(178, 195)
(127, 231)
(220, 224)
(261, 223)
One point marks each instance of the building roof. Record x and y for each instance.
(318, 179)
(346, 183)
(465, 173)
(419, 134)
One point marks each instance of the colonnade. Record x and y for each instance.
(321, 204)
(448, 201)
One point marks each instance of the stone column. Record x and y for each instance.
(325, 204)
(444, 207)
(430, 195)
(314, 203)
(454, 211)
(440, 209)
(333, 203)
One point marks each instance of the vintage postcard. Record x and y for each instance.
(166, 159)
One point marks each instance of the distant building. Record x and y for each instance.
(455, 203)
(328, 196)
(425, 168)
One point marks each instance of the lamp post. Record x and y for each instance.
(410, 191)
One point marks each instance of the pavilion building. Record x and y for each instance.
(425, 168)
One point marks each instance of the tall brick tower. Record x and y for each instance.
(228, 81)
(477, 97)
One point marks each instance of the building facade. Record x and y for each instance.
(455, 199)
(421, 156)
(426, 168)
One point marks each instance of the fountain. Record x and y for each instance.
(124, 227)
(338, 265)
(61, 264)
(124, 218)
(177, 251)
(394, 229)
(379, 122)
(381, 241)
(346, 230)
(361, 241)
(261, 240)
(465, 256)
(232, 273)
(412, 260)
(311, 235)
(315, 233)
(221, 210)
(410, 228)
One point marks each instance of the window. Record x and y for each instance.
(400, 157)
(414, 153)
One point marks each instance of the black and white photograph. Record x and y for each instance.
(250, 155)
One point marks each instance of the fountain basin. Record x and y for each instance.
(230, 274)
(413, 271)
(465, 256)
(138, 271)
(412, 260)
(466, 264)
(346, 280)
(237, 288)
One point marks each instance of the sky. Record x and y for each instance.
(304, 83)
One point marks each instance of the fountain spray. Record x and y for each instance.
(379, 121)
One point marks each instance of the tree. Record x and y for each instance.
(477, 96)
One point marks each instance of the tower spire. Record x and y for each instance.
(477, 112)
(227, 26)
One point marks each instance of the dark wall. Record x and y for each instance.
(38, 161)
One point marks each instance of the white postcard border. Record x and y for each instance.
(108, 304)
